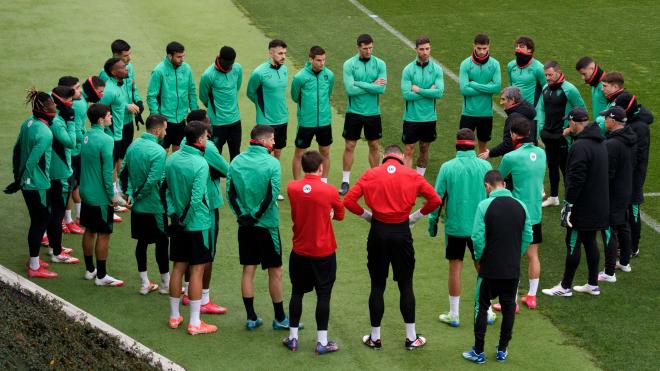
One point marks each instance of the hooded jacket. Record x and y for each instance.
(620, 152)
(312, 91)
(639, 123)
(523, 109)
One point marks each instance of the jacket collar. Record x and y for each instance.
(257, 149)
(500, 193)
(191, 150)
(312, 177)
(149, 136)
(466, 154)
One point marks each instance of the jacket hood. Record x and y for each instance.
(592, 131)
(625, 135)
(524, 108)
(644, 114)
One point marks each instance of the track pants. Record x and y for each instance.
(488, 289)
(574, 239)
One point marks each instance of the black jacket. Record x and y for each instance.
(525, 110)
(620, 150)
(586, 181)
(640, 125)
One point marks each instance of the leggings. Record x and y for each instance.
(322, 308)
(58, 198)
(574, 239)
(39, 215)
(377, 303)
(556, 151)
(161, 255)
(488, 289)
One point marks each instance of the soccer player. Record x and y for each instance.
(311, 89)
(621, 140)
(460, 184)
(501, 233)
(218, 90)
(526, 167)
(390, 191)
(365, 79)
(141, 177)
(526, 72)
(312, 263)
(479, 78)
(172, 93)
(422, 84)
(253, 183)
(586, 202)
(92, 89)
(186, 173)
(558, 98)
(97, 194)
(592, 75)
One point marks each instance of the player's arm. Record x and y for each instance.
(331, 83)
(198, 194)
(349, 82)
(479, 230)
(372, 88)
(505, 166)
(406, 87)
(43, 144)
(493, 87)
(64, 132)
(239, 77)
(192, 93)
(155, 175)
(540, 116)
(574, 98)
(153, 91)
(272, 191)
(218, 166)
(504, 147)
(352, 197)
(464, 81)
(576, 173)
(253, 85)
(540, 75)
(232, 195)
(337, 206)
(527, 235)
(107, 167)
(438, 91)
(509, 67)
(124, 180)
(296, 88)
(204, 89)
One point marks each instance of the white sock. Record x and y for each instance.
(116, 187)
(411, 334)
(490, 309)
(205, 296)
(45, 234)
(346, 176)
(293, 333)
(185, 288)
(421, 170)
(34, 263)
(322, 337)
(453, 305)
(324, 180)
(78, 210)
(194, 312)
(165, 279)
(174, 307)
(145, 278)
(50, 251)
(533, 286)
(375, 333)
(67, 217)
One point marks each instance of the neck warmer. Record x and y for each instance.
(199, 147)
(365, 60)
(424, 64)
(610, 98)
(61, 102)
(464, 145)
(596, 77)
(480, 60)
(45, 117)
(254, 142)
(222, 65)
(555, 85)
(523, 58)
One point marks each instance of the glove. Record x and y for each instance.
(140, 106)
(566, 215)
(246, 220)
(414, 217)
(68, 114)
(13, 188)
(138, 117)
(366, 215)
(433, 227)
(175, 228)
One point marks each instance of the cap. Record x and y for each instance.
(577, 114)
(615, 112)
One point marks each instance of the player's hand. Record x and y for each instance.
(433, 227)
(566, 132)
(115, 201)
(415, 88)
(380, 81)
(366, 215)
(133, 108)
(332, 213)
(566, 215)
(485, 155)
(246, 220)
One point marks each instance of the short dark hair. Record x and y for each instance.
(193, 131)
(493, 177)
(174, 47)
(552, 64)
(69, 81)
(481, 39)
(527, 41)
(393, 148)
(465, 134)
(109, 64)
(64, 92)
(197, 115)
(97, 111)
(274, 43)
(421, 40)
(584, 62)
(614, 77)
(119, 46)
(90, 91)
(261, 131)
(364, 39)
(520, 126)
(316, 51)
(155, 120)
(311, 160)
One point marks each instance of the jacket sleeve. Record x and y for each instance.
(440, 189)
(574, 98)
(505, 166)
(253, 85)
(439, 90)
(272, 191)
(296, 88)
(353, 195)
(540, 75)
(198, 194)
(43, 144)
(540, 115)
(508, 72)
(372, 88)
(428, 192)
(331, 83)
(232, 196)
(479, 230)
(204, 89)
(124, 180)
(576, 173)
(337, 206)
(507, 143)
(406, 87)
(349, 83)
(216, 161)
(136, 93)
(153, 91)
(108, 166)
(464, 81)
(493, 87)
(192, 92)
(527, 235)
(156, 173)
(239, 78)
(65, 133)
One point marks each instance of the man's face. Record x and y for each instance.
(77, 91)
(119, 70)
(124, 56)
(100, 89)
(609, 88)
(610, 124)
(585, 73)
(269, 141)
(481, 50)
(424, 52)
(506, 102)
(107, 119)
(277, 55)
(523, 48)
(552, 75)
(176, 59)
(50, 106)
(365, 50)
(163, 131)
(318, 62)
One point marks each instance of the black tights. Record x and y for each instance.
(39, 216)
(377, 303)
(58, 199)
(161, 255)
(322, 308)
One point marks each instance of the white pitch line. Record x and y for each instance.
(652, 194)
(126, 342)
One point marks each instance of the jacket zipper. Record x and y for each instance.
(176, 88)
(317, 102)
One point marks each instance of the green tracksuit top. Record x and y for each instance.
(187, 174)
(253, 183)
(573, 99)
(80, 109)
(142, 174)
(219, 92)
(420, 106)
(131, 91)
(362, 93)
(312, 91)
(64, 140)
(529, 79)
(267, 90)
(478, 83)
(31, 157)
(526, 165)
(115, 97)
(96, 165)
(172, 92)
(460, 183)
(598, 100)
(218, 167)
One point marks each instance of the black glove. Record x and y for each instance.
(566, 215)
(433, 227)
(138, 117)
(13, 188)
(246, 220)
(68, 114)
(140, 106)
(175, 228)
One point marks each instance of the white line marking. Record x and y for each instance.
(650, 221)
(652, 194)
(126, 342)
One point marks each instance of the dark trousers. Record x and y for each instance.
(574, 240)
(58, 199)
(377, 301)
(488, 289)
(231, 135)
(556, 152)
(162, 258)
(618, 240)
(322, 307)
(635, 223)
(36, 202)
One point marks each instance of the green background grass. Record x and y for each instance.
(617, 330)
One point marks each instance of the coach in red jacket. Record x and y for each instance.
(390, 191)
(312, 263)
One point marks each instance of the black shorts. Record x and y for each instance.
(258, 245)
(414, 132)
(280, 135)
(353, 123)
(537, 232)
(75, 166)
(192, 247)
(126, 138)
(230, 134)
(97, 219)
(455, 247)
(390, 243)
(307, 273)
(149, 228)
(305, 134)
(116, 151)
(482, 125)
(173, 134)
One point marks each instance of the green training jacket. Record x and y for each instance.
(130, 87)
(359, 76)
(219, 93)
(598, 100)
(530, 80)
(80, 109)
(267, 90)
(96, 165)
(573, 99)
(31, 157)
(312, 91)
(526, 165)
(187, 174)
(218, 167)
(64, 140)
(253, 184)
(172, 92)
(115, 97)
(478, 83)
(420, 106)
(142, 174)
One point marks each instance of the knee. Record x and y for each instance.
(350, 146)
(374, 145)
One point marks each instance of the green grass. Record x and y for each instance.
(203, 27)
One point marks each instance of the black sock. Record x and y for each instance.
(279, 311)
(100, 264)
(89, 263)
(249, 308)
